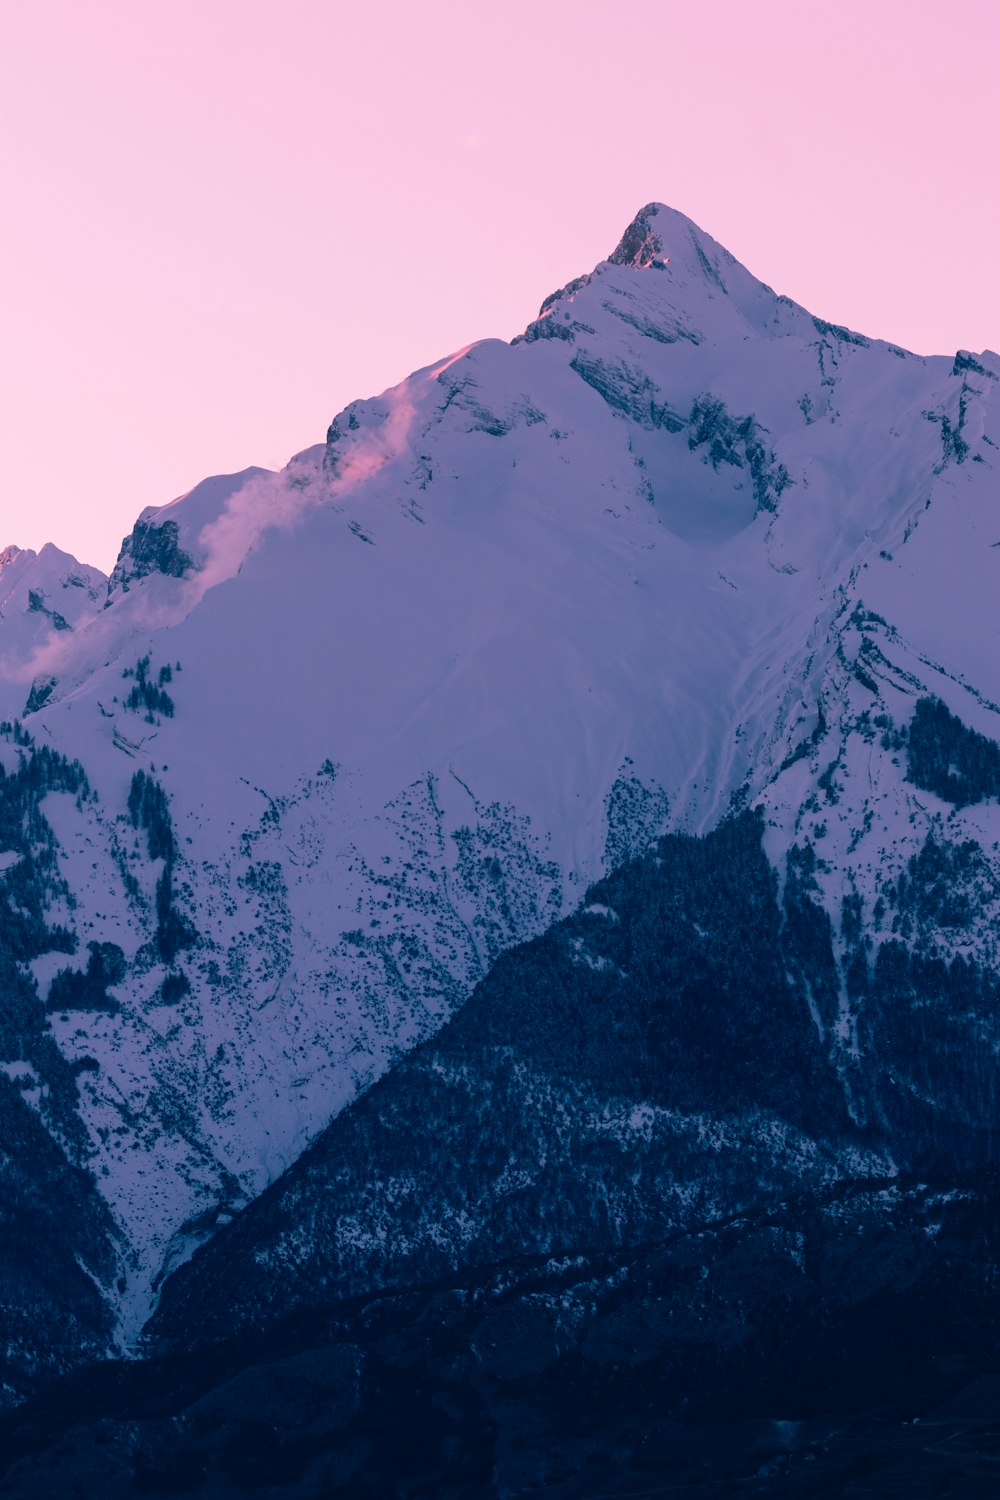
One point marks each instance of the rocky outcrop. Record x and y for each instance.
(150, 548)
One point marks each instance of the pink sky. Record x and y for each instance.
(225, 219)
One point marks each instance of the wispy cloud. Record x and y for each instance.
(281, 500)
(265, 503)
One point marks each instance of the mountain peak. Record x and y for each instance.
(700, 286)
(8, 554)
(663, 238)
(640, 244)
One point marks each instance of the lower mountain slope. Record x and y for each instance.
(61, 1263)
(620, 1227)
(650, 1064)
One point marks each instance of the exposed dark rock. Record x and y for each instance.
(967, 364)
(568, 290)
(151, 548)
(841, 334)
(41, 691)
(738, 441)
(640, 243)
(37, 605)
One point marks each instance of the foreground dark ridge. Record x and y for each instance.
(872, 1366)
(600, 1326)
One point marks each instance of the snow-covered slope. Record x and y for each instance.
(44, 597)
(394, 707)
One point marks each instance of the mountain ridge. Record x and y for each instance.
(397, 707)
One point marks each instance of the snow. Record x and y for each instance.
(44, 598)
(505, 580)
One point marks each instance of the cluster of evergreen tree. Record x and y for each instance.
(691, 1002)
(174, 987)
(27, 889)
(58, 1240)
(149, 808)
(147, 695)
(33, 880)
(558, 1108)
(87, 989)
(945, 757)
(939, 885)
(173, 930)
(936, 1094)
(546, 1115)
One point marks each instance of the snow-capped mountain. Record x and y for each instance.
(44, 596)
(329, 741)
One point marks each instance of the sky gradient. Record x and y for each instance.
(223, 221)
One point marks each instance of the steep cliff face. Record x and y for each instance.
(353, 731)
(155, 544)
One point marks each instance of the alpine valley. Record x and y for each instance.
(499, 972)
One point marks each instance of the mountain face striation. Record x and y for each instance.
(544, 843)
